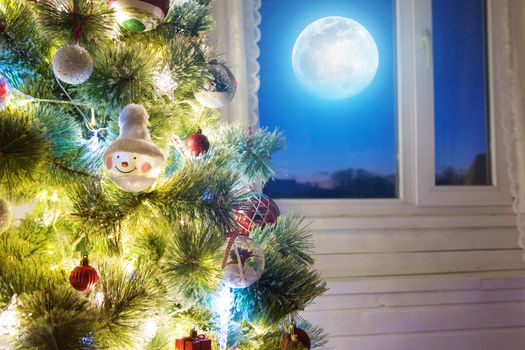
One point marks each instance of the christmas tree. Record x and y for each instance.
(149, 230)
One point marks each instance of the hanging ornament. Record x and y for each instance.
(197, 144)
(220, 90)
(244, 263)
(5, 92)
(257, 210)
(6, 215)
(72, 64)
(298, 341)
(133, 160)
(140, 15)
(83, 277)
(193, 342)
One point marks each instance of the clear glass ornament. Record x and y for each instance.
(218, 92)
(245, 263)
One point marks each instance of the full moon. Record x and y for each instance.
(335, 57)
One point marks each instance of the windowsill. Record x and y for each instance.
(382, 208)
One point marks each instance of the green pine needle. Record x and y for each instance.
(289, 236)
(87, 22)
(189, 19)
(55, 318)
(251, 150)
(130, 297)
(23, 150)
(121, 75)
(193, 261)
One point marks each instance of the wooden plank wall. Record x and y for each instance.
(427, 283)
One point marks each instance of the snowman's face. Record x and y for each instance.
(132, 164)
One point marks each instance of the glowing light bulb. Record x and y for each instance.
(149, 328)
(165, 81)
(99, 298)
(9, 319)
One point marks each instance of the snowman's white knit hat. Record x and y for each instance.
(134, 135)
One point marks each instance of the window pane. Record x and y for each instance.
(338, 146)
(461, 98)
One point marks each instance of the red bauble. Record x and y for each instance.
(197, 144)
(83, 277)
(5, 91)
(258, 210)
(302, 340)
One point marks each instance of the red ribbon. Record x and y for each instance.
(78, 31)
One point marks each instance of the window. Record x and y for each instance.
(425, 136)
(460, 92)
(348, 148)
(337, 148)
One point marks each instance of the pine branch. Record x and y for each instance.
(284, 287)
(288, 236)
(189, 19)
(22, 51)
(193, 261)
(129, 298)
(97, 212)
(56, 317)
(23, 150)
(200, 190)
(187, 62)
(251, 151)
(88, 22)
(121, 75)
(18, 276)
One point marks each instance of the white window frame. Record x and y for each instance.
(237, 35)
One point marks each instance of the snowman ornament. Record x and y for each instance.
(133, 161)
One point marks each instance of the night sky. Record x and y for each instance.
(360, 132)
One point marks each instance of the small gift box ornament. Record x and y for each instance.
(193, 342)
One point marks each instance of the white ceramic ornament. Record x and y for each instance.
(221, 90)
(245, 263)
(132, 160)
(72, 64)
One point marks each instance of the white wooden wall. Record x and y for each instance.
(455, 283)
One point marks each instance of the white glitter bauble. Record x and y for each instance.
(72, 64)
(6, 215)
(245, 263)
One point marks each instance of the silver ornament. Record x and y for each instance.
(72, 64)
(6, 215)
(218, 92)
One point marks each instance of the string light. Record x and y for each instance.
(165, 81)
(149, 328)
(224, 306)
(9, 319)
(99, 298)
